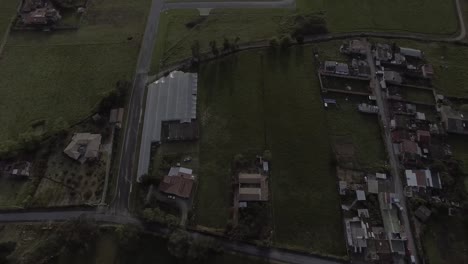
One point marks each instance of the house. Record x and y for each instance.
(423, 213)
(423, 179)
(177, 185)
(179, 182)
(392, 77)
(83, 146)
(412, 53)
(252, 187)
(354, 47)
(342, 69)
(20, 170)
(409, 151)
(329, 66)
(454, 121)
(423, 137)
(427, 71)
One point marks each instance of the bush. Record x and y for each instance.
(285, 42)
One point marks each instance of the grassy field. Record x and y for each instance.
(361, 130)
(418, 95)
(256, 101)
(61, 76)
(445, 240)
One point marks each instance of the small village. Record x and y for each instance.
(375, 204)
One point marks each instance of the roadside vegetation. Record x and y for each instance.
(268, 100)
(83, 241)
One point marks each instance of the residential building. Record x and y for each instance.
(252, 187)
(179, 182)
(83, 146)
(427, 71)
(423, 213)
(423, 179)
(409, 152)
(354, 47)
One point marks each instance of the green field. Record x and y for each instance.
(60, 77)
(347, 124)
(445, 240)
(256, 101)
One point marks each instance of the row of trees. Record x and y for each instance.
(156, 215)
(227, 46)
(185, 247)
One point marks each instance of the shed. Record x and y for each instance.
(361, 195)
(372, 186)
(381, 176)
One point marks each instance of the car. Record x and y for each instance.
(413, 259)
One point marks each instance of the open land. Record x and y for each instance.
(68, 72)
(179, 28)
(255, 101)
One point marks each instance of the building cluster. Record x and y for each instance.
(374, 232)
(38, 13)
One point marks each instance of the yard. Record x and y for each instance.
(60, 77)
(178, 29)
(361, 131)
(459, 146)
(258, 100)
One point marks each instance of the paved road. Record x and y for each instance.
(232, 4)
(394, 163)
(128, 159)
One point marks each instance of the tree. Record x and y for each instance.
(214, 48)
(285, 42)
(300, 38)
(196, 49)
(273, 43)
(6, 248)
(226, 45)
